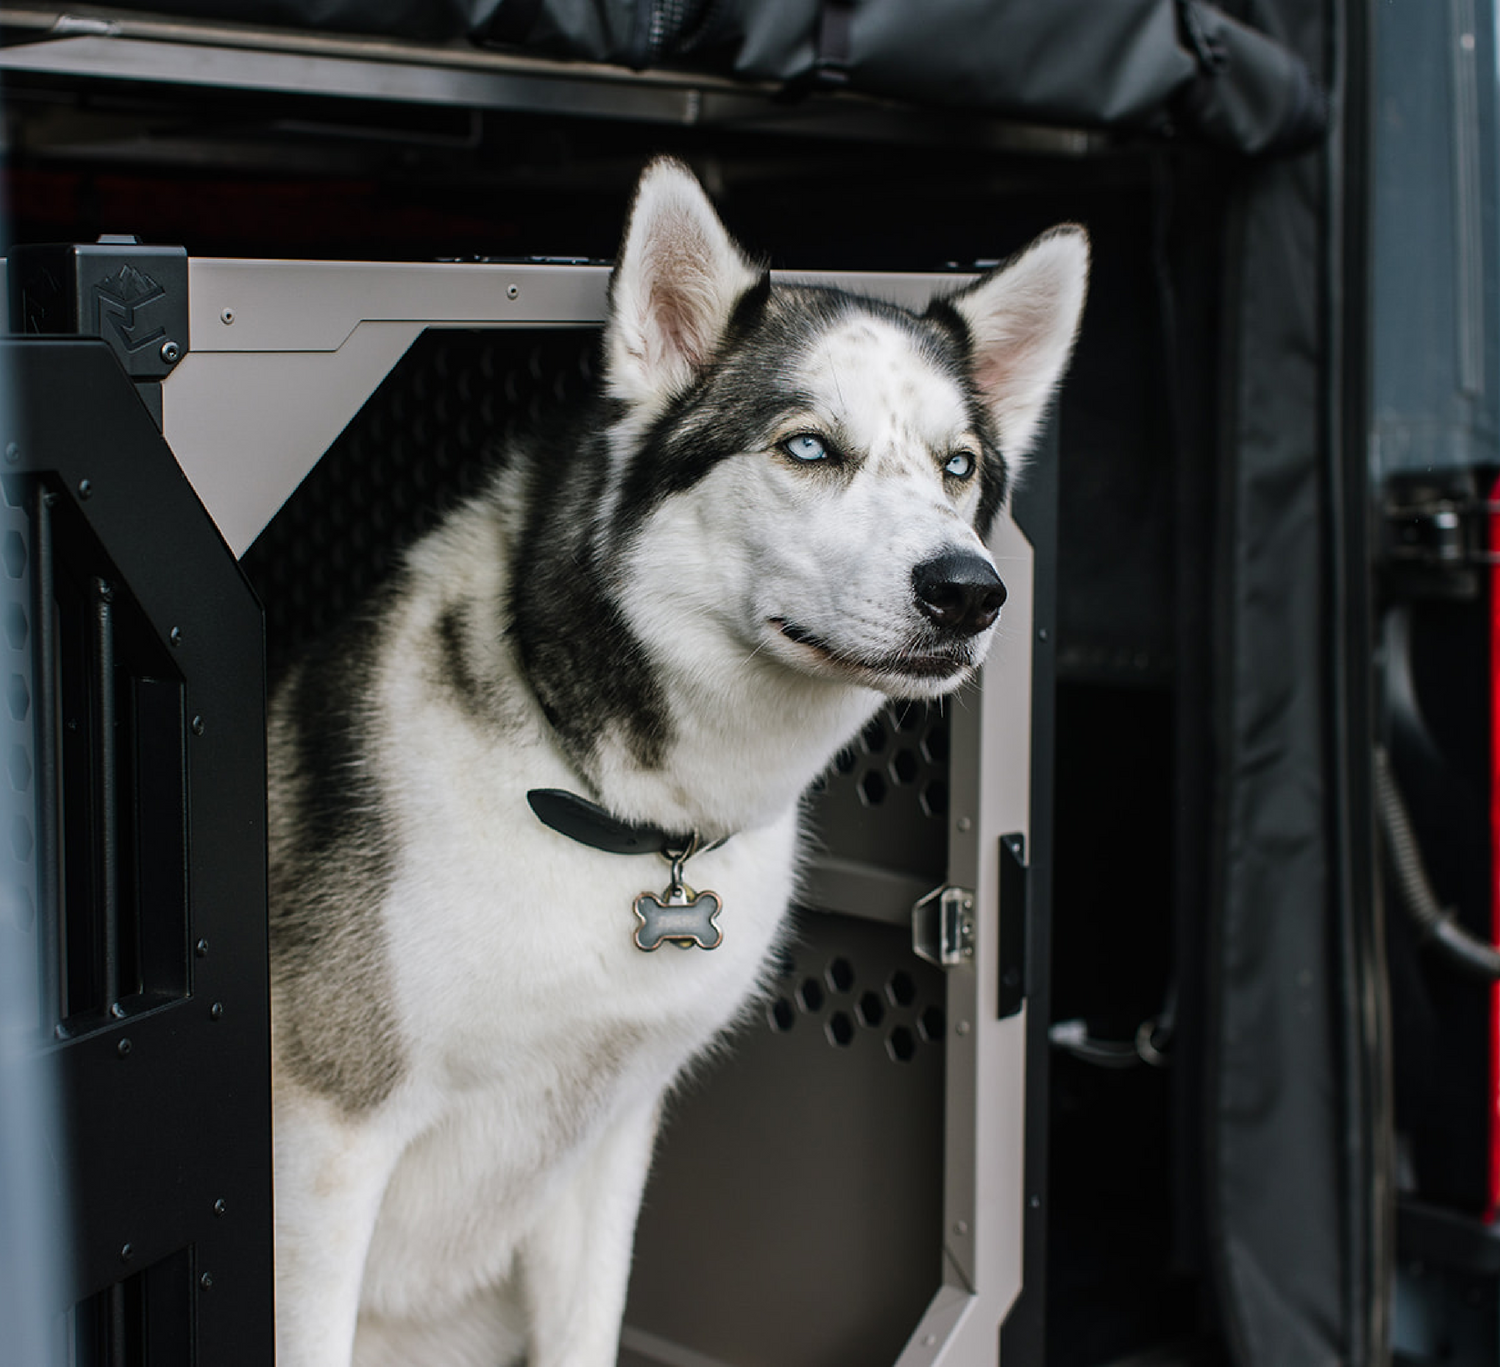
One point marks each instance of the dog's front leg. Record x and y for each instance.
(576, 1261)
(330, 1176)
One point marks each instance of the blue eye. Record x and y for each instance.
(806, 448)
(960, 465)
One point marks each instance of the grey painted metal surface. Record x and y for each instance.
(283, 353)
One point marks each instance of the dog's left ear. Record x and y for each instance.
(674, 287)
(1022, 319)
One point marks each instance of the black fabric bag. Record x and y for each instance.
(1156, 65)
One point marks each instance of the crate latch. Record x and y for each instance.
(942, 927)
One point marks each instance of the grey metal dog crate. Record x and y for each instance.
(860, 1178)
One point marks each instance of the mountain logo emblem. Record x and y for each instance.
(119, 298)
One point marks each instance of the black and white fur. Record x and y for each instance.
(770, 522)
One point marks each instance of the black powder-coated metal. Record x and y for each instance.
(163, 1073)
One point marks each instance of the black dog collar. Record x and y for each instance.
(589, 824)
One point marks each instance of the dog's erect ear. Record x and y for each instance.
(674, 287)
(1023, 318)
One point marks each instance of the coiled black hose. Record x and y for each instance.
(1437, 924)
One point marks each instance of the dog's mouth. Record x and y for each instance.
(909, 664)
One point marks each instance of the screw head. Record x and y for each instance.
(175, 636)
(220, 1206)
(127, 1252)
(201, 949)
(171, 353)
(960, 1226)
(85, 489)
(12, 452)
(514, 292)
(122, 1048)
(226, 316)
(206, 1281)
(197, 726)
(216, 1010)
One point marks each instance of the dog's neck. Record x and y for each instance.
(747, 737)
(696, 733)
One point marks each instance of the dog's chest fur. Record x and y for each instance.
(494, 961)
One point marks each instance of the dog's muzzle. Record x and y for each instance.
(958, 591)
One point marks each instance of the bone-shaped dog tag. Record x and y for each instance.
(680, 915)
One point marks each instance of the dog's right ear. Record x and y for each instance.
(673, 290)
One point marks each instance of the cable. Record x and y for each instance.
(1438, 925)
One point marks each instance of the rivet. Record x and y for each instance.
(960, 1226)
(175, 636)
(170, 352)
(1036, 1203)
(106, 592)
(12, 452)
(122, 1048)
(220, 1206)
(929, 1340)
(965, 823)
(226, 316)
(962, 1027)
(514, 292)
(197, 726)
(126, 1253)
(201, 949)
(1041, 634)
(206, 1281)
(216, 1010)
(85, 489)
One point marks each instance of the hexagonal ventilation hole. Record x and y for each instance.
(935, 742)
(840, 1029)
(901, 1044)
(20, 837)
(15, 626)
(781, 1016)
(18, 697)
(905, 767)
(870, 1009)
(901, 989)
(840, 974)
(19, 766)
(872, 788)
(930, 1024)
(935, 798)
(874, 735)
(810, 995)
(15, 554)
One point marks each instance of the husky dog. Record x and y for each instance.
(771, 521)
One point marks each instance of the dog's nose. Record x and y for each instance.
(959, 590)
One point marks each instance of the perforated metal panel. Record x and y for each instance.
(425, 438)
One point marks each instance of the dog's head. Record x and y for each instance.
(806, 476)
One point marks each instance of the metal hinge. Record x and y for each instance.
(942, 927)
